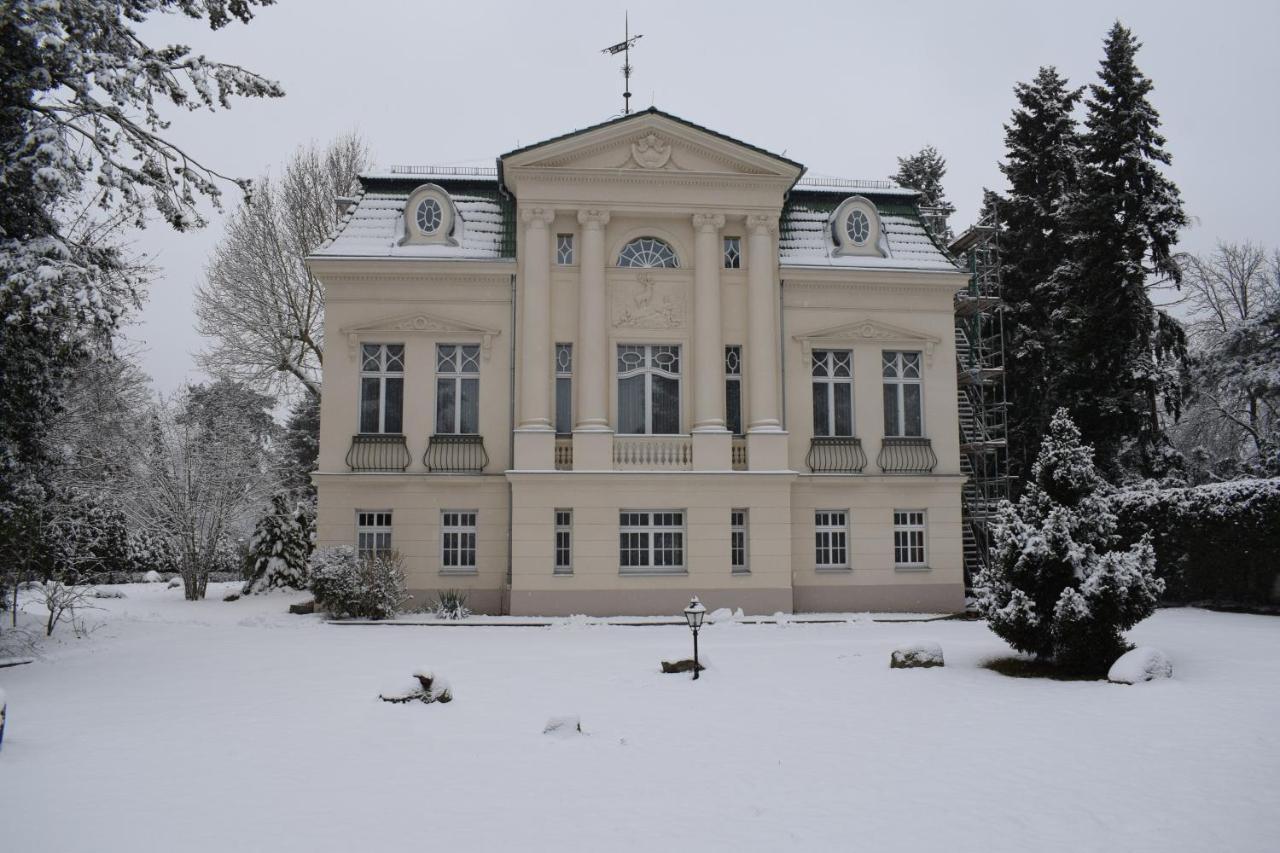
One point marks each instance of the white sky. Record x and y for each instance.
(844, 88)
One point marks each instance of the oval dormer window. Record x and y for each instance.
(858, 227)
(429, 215)
(648, 252)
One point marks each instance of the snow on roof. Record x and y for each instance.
(852, 186)
(805, 236)
(432, 173)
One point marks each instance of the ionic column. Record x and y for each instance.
(591, 360)
(535, 332)
(708, 340)
(762, 342)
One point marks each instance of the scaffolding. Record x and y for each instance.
(983, 410)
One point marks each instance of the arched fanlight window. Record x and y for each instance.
(648, 252)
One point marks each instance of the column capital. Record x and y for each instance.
(708, 222)
(593, 218)
(537, 217)
(761, 224)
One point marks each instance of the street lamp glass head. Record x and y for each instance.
(694, 612)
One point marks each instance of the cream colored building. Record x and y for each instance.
(638, 362)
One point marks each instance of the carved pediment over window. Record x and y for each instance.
(866, 331)
(421, 323)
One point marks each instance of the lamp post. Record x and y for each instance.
(693, 615)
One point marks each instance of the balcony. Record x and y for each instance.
(653, 453)
(835, 454)
(564, 453)
(906, 455)
(378, 452)
(738, 453)
(455, 454)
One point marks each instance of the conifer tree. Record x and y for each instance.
(279, 549)
(1117, 356)
(924, 171)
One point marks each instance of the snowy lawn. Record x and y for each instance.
(213, 726)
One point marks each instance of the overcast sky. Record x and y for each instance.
(844, 88)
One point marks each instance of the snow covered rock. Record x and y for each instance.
(916, 655)
(429, 688)
(153, 577)
(563, 726)
(1142, 664)
(175, 582)
(108, 593)
(721, 614)
(685, 665)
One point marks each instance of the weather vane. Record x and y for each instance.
(624, 47)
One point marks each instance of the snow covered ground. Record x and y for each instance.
(212, 726)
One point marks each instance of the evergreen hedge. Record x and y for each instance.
(1218, 543)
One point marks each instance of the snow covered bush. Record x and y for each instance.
(451, 604)
(280, 547)
(1058, 586)
(348, 586)
(1218, 542)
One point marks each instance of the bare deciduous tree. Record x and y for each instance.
(260, 306)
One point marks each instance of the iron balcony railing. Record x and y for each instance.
(906, 455)
(455, 454)
(378, 452)
(835, 454)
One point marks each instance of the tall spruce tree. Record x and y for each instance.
(924, 171)
(1114, 350)
(1042, 166)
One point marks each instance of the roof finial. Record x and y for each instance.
(624, 47)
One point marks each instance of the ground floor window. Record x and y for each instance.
(651, 541)
(908, 537)
(457, 540)
(738, 541)
(373, 532)
(564, 542)
(831, 539)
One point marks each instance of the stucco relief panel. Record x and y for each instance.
(647, 303)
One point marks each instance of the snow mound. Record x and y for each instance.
(175, 582)
(153, 577)
(108, 593)
(566, 726)
(1141, 664)
(916, 655)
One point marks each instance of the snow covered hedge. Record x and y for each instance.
(1218, 543)
(349, 586)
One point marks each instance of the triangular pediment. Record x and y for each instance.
(654, 142)
(419, 322)
(867, 330)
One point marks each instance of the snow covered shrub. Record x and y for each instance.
(1057, 585)
(279, 548)
(348, 586)
(451, 604)
(1218, 542)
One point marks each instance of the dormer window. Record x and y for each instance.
(430, 217)
(649, 252)
(855, 227)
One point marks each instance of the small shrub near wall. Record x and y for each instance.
(347, 586)
(1217, 543)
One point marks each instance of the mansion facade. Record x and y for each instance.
(639, 362)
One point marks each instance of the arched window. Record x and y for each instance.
(648, 252)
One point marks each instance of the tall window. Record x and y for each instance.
(373, 532)
(564, 249)
(564, 542)
(382, 388)
(648, 252)
(564, 388)
(649, 389)
(651, 541)
(457, 389)
(902, 409)
(832, 392)
(732, 253)
(831, 539)
(738, 541)
(457, 540)
(733, 389)
(908, 537)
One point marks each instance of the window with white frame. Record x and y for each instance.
(382, 388)
(457, 389)
(651, 541)
(733, 389)
(564, 389)
(564, 542)
(833, 392)
(458, 540)
(831, 539)
(733, 253)
(903, 414)
(564, 249)
(373, 533)
(648, 252)
(649, 389)
(909, 538)
(738, 541)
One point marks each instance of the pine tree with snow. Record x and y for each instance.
(1058, 585)
(924, 171)
(279, 549)
(1117, 357)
